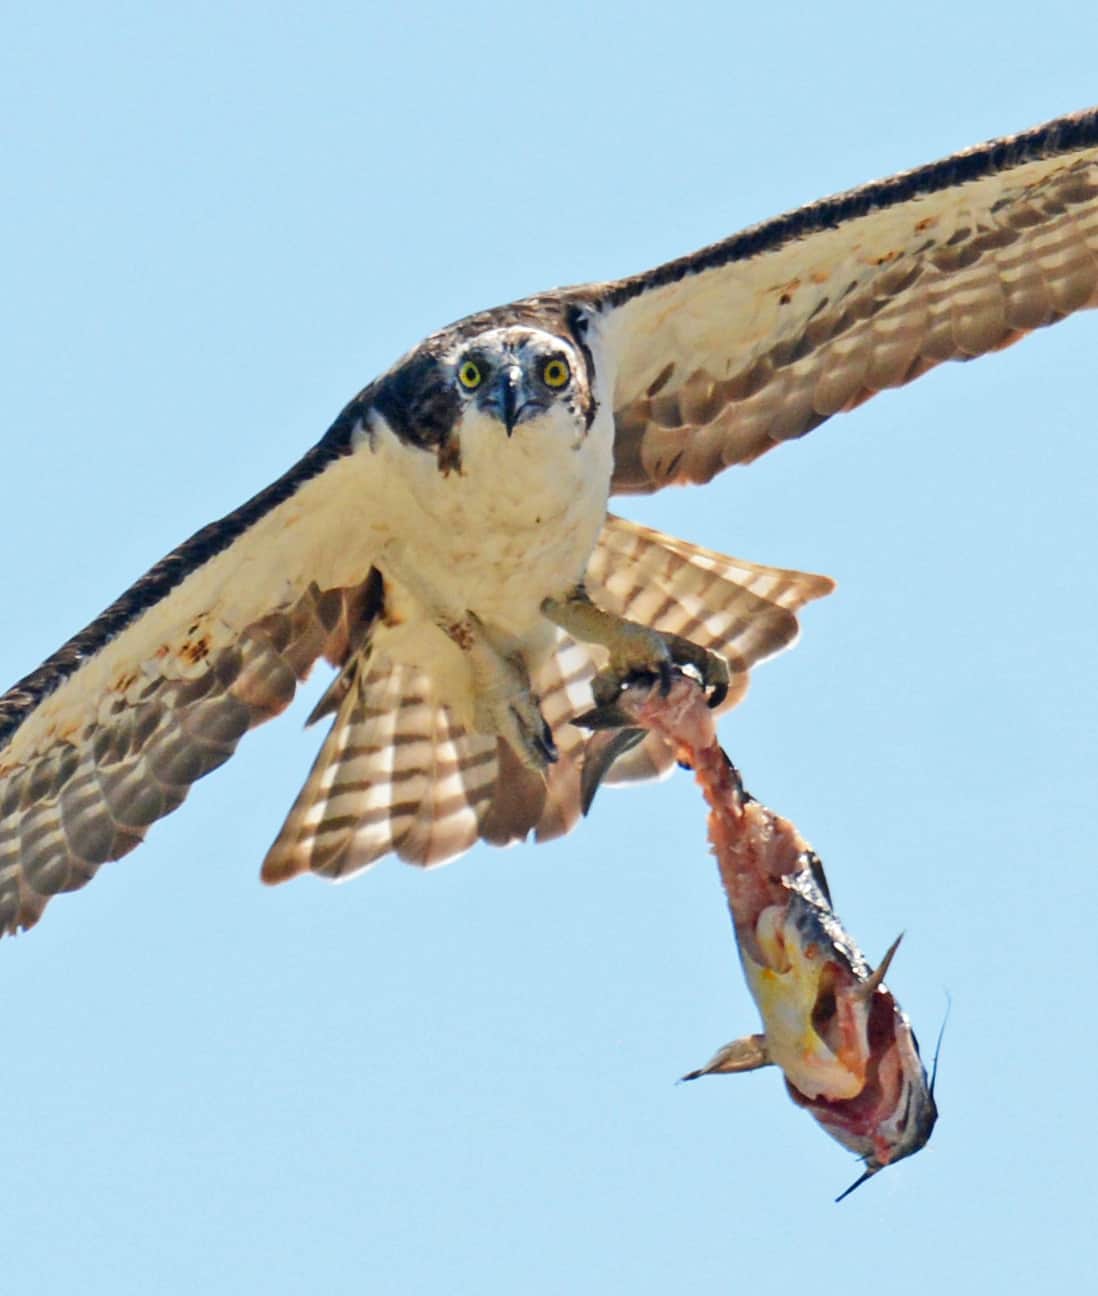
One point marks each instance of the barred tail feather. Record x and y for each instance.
(745, 611)
(397, 771)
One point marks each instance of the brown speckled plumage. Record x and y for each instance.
(717, 357)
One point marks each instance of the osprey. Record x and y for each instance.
(447, 547)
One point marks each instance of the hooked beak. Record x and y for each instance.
(510, 380)
(510, 398)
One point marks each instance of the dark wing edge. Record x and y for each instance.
(722, 354)
(19, 702)
(109, 733)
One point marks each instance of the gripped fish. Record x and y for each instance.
(846, 1049)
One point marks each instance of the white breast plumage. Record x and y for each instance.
(514, 524)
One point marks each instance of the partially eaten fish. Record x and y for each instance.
(830, 1023)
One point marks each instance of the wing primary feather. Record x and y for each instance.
(722, 355)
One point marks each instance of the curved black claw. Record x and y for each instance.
(522, 726)
(710, 668)
(606, 687)
(664, 670)
(655, 656)
(717, 694)
(542, 743)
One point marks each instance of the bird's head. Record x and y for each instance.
(467, 386)
(516, 376)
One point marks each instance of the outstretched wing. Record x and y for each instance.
(110, 732)
(725, 353)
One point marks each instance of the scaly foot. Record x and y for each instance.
(505, 706)
(635, 650)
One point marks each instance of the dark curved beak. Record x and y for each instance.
(509, 380)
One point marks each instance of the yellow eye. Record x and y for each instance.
(556, 373)
(469, 375)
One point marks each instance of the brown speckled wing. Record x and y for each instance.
(398, 774)
(109, 733)
(757, 340)
(91, 795)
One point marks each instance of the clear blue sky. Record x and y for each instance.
(219, 222)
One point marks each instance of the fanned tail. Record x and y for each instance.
(395, 773)
(398, 773)
(745, 611)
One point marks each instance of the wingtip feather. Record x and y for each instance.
(281, 866)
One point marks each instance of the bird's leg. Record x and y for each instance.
(635, 649)
(503, 702)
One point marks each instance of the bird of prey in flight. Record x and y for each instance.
(446, 545)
